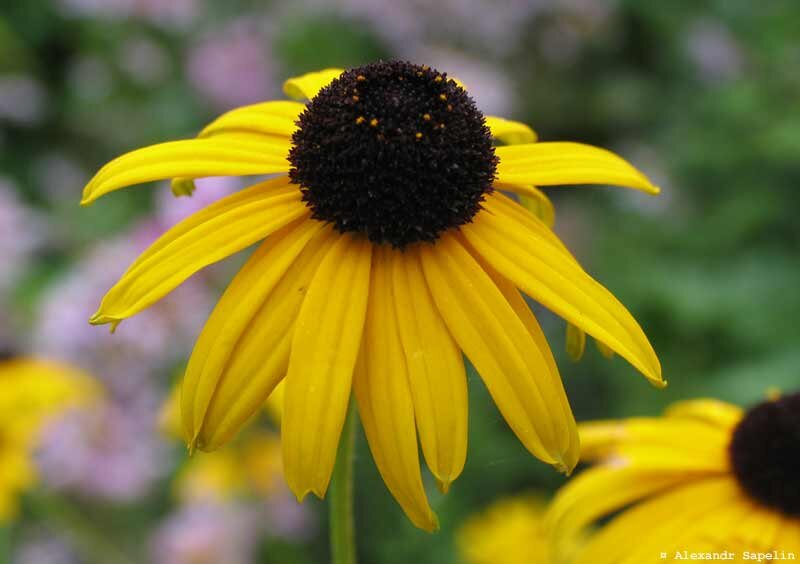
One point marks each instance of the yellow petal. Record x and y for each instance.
(576, 342)
(324, 348)
(212, 234)
(530, 259)
(533, 200)
(267, 118)
(307, 85)
(548, 164)
(261, 358)
(759, 527)
(506, 356)
(510, 132)
(243, 350)
(610, 439)
(668, 458)
(604, 350)
(788, 538)
(718, 413)
(193, 158)
(598, 492)
(714, 506)
(500, 204)
(570, 444)
(384, 396)
(650, 522)
(435, 370)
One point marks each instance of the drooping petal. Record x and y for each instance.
(326, 340)
(384, 396)
(436, 370)
(243, 350)
(508, 359)
(509, 131)
(233, 404)
(193, 158)
(306, 86)
(570, 444)
(267, 118)
(210, 235)
(545, 271)
(554, 163)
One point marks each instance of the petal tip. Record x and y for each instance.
(431, 525)
(303, 493)
(565, 466)
(102, 319)
(443, 485)
(87, 199)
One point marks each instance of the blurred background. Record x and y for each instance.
(702, 96)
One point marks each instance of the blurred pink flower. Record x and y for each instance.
(144, 61)
(164, 13)
(59, 178)
(233, 66)
(145, 346)
(714, 51)
(106, 452)
(489, 86)
(21, 233)
(90, 78)
(42, 546)
(287, 519)
(207, 533)
(23, 100)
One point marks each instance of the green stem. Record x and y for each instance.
(5, 543)
(342, 525)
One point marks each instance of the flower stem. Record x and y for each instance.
(342, 525)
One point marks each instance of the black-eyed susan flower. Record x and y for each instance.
(33, 392)
(389, 250)
(706, 478)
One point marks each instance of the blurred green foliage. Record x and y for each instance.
(711, 269)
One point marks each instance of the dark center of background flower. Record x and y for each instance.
(765, 454)
(7, 351)
(393, 150)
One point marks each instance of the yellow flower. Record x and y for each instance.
(389, 251)
(510, 531)
(705, 478)
(33, 391)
